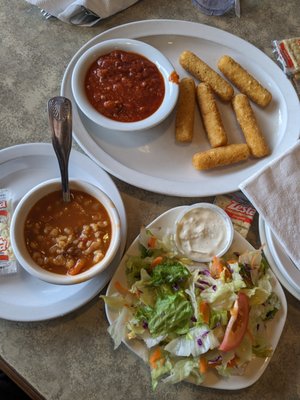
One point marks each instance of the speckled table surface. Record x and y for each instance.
(72, 357)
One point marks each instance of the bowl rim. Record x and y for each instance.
(228, 224)
(163, 64)
(17, 237)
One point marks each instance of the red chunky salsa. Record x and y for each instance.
(124, 86)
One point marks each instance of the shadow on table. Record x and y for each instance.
(9, 390)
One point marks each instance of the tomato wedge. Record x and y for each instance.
(237, 325)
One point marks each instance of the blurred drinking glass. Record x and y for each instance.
(217, 7)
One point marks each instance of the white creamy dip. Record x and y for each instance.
(203, 231)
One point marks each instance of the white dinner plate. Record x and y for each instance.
(283, 267)
(152, 159)
(23, 297)
(256, 367)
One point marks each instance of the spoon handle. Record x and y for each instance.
(60, 120)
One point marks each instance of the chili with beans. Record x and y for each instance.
(124, 86)
(67, 238)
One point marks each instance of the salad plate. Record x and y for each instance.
(23, 297)
(257, 365)
(151, 159)
(283, 267)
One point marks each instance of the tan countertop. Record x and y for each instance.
(72, 357)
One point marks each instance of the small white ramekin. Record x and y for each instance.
(130, 45)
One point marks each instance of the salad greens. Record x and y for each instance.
(186, 312)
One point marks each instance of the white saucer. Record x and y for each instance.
(283, 267)
(23, 297)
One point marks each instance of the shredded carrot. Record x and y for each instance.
(202, 365)
(157, 260)
(152, 242)
(216, 267)
(77, 267)
(228, 274)
(155, 356)
(231, 261)
(204, 311)
(232, 363)
(121, 289)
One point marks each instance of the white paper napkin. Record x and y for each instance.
(275, 193)
(66, 10)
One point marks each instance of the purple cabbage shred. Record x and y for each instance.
(145, 325)
(203, 282)
(215, 360)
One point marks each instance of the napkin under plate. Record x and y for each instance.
(68, 10)
(275, 193)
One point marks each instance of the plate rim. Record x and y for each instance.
(93, 286)
(171, 27)
(264, 362)
(276, 270)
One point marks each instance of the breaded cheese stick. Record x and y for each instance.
(245, 82)
(200, 70)
(185, 113)
(247, 121)
(211, 116)
(220, 156)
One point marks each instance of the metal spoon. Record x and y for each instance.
(60, 120)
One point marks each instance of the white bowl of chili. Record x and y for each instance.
(65, 243)
(125, 85)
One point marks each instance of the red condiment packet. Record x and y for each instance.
(287, 52)
(8, 263)
(239, 209)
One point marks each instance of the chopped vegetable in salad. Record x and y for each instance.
(192, 317)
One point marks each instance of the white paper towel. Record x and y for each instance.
(275, 193)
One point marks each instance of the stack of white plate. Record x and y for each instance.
(283, 267)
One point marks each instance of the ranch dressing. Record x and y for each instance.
(203, 231)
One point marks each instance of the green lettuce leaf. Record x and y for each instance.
(169, 272)
(184, 369)
(221, 297)
(134, 265)
(117, 329)
(260, 293)
(172, 313)
(198, 341)
(161, 370)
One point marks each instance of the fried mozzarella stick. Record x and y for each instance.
(245, 82)
(184, 123)
(200, 70)
(211, 116)
(220, 156)
(247, 121)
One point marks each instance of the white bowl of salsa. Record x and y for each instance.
(125, 85)
(65, 243)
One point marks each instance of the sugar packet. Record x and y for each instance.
(239, 209)
(8, 264)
